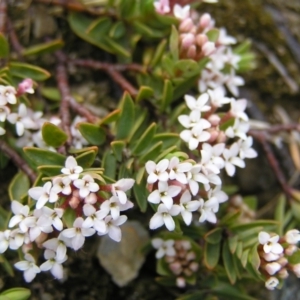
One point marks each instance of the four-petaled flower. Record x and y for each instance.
(29, 267)
(270, 243)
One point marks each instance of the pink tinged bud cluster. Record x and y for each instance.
(175, 186)
(77, 190)
(274, 255)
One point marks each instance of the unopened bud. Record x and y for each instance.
(180, 282)
(272, 267)
(283, 273)
(213, 135)
(208, 48)
(201, 39)
(205, 20)
(194, 266)
(187, 41)
(175, 267)
(290, 250)
(292, 236)
(222, 138)
(214, 120)
(192, 52)
(25, 87)
(191, 256)
(186, 25)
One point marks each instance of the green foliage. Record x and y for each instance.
(46, 47)
(24, 70)
(15, 294)
(53, 135)
(4, 46)
(94, 134)
(18, 187)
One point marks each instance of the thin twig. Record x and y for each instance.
(98, 65)
(82, 111)
(261, 137)
(3, 16)
(14, 39)
(18, 160)
(122, 81)
(278, 128)
(63, 86)
(69, 5)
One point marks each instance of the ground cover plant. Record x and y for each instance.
(125, 112)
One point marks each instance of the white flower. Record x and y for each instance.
(270, 244)
(165, 194)
(178, 170)
(62, 185)
(194, 176)
(292, 236)
(2, 131)
(57, 245)
(120, 187)
(7, 95)
(112, 227)
(21, 120)
(4, 240)
(208, 209)
(157, 171)
(78, 233)
(199, 104)
(43, 194)
(53, 216)
(188, 206)
(162, 6)
(218, 194)
(86, 185)
(4, 111)
(193, 119)
(211, 160)
(53, 264)
(20, 213)
(239, 129)
(231, 159)
(94, 218)
(225, 39)
(232, 82)
(245, 148)
(29, 267)
(164, 216)
(272, 283)
(71, 168)
(296, 270)
(78, 141)
(181, 12)
(17, 239)
(163, 247)
(217, 97)
(238, 109)
(195, 136)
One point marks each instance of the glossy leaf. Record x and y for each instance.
(253, 224)
(117, 48)
(24, 70)
(6, 265)
(4, 46)
(117, 147)
(213, 35)
(145, 92)
(86, 159)
(53, 135)
(100, 26)
(186, 68)
(232, 243)
(50, 170)
(174, 43)
(5, 216)
(126, 120)
(44, 157)
(139, 127)
(228, 263)
(280, 214)
(51, 93)
(109, 163)
(16, 294)
(111, 117)
(117, 30)
(152, 153)
(167, 95)
(147, 31)
(168, 139)
(211, 255)
(94, 134)
(145, 140)
(227, 291)
(46, 47)
(159, 52)
(141, 194)
(18, 187)
(69, 217)
(167, 152)
(214, 236)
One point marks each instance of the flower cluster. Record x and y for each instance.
(181, 188)
(180, 257)
(278, 256)
(28, 123)
(96, 207)
(221, 138)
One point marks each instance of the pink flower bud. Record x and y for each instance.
(214, 120)
(194, 266)
(214, 134)
(180, 282)
(272, 267)
(283, 273)
(191, 256)
(187, 41)
(25, 87)
(186, 25)
(201, 39)
(192, 52)
(205, 20)
(175, 267)
(290, 250)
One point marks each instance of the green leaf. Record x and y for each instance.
(117, 30)
(232, 243)
(100, 26)
(46, 47)
(141, 194)
(145, 140)
(16, 294)
(94, 134)
(152, 153)
(174, 43)
(53, 135)
(254, 259)
(51, 93)
(162, 268)
(126, 120)
(118, 147)
(166, 153)
(145, 92)
(184, 86)
(228, 263)
(242, 48)
(227, 291)
(194, 296)
(86, 159)
(159, 52)
(213, 35)
(18, 187)
(211, 255)
(214, 236)
(168, 65)
(44, 157)
(69, 217)
(253, 224)
(4, 218)
(280, 213)
(4, 46)
(244, 258)
(3, 160)
(117, 48)
(167, 95)
(111, 117)
(140, 175)
(147, 31)
(50, 170)
(109, 163)
(186, 68)
(168, 139)
(24, 70)
(139, 126)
